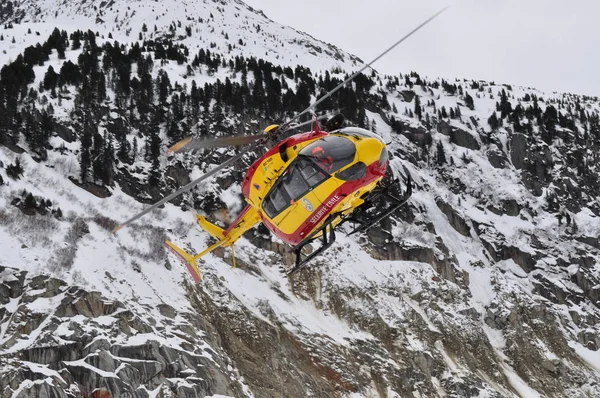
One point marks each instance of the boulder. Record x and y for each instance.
(497, 158)
(458, 136)
(64, 132)
(407, 95)
(444, 128)
(464, 139)
(511, 207)
(588, 283)
(89, 304)
(178, 173)
(554, 292)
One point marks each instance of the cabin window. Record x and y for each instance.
(331, 153)
(353, 173)
(275, 201)
(311, 173)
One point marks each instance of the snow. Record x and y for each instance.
(422, 313)
(42, 369)
(297, 314)
(271, 40)
(452, 366)
(218, 396)
(591, 358)
(83, 364)
(45, 305)
(520, 386)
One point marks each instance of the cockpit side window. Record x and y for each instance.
(354, 172)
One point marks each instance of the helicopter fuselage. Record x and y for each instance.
(303, 180)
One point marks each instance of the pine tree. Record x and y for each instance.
(444, 114)
(76, 41)
(469, 102)
(97, 154)
(504, 107)
(174, 133)
(15, 171)
(85, 160)
(50, 79)
(108, 160)
(154, 174)
(123, 151)
(30, 202)
(493, 122)
(440, 155)
(134, 150)
(418, 107)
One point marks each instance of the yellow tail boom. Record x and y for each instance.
(226, 238)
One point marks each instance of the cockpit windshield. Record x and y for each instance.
(331, 153)
(302, 176)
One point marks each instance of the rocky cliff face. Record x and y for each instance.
(60, 341)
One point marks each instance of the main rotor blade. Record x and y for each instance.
(190, 143)
(186, 188)
(313, 105)
(203, 177)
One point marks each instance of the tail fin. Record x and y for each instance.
(187, 259)
(214, 230)
(190, 260)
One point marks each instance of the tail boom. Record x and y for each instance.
(225, 238)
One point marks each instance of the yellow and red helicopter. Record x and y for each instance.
(304, 186)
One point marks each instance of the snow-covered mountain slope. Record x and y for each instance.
(486, 284)
(226, 27)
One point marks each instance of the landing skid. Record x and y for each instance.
(328, 236)
(327, 240)
(365, 224)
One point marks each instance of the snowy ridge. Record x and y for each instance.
(221, 26)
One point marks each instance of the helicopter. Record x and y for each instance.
(304, 185)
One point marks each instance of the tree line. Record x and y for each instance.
(124, 107)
